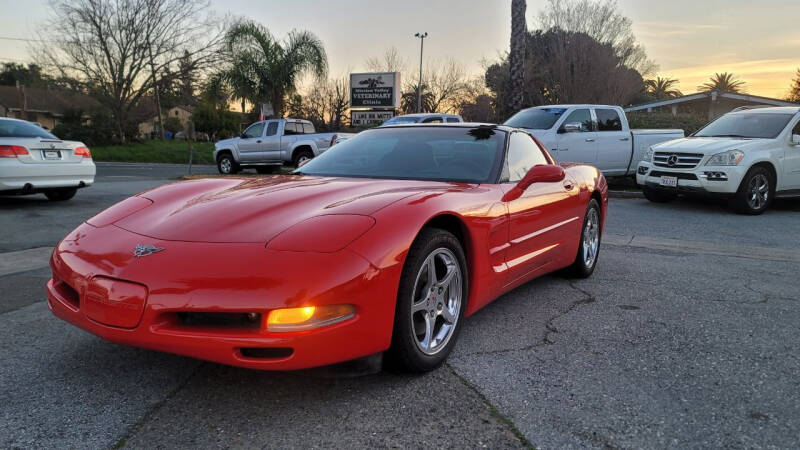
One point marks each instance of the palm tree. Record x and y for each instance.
(662, 88)
(516, 57)
(722, 82)
(265, 69)
(408, 100)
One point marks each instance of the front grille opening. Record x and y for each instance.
(679, 175)
(250, 320)
(266, 352)
(68, 293)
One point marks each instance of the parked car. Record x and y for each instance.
(268, 144)
(384, 245)
(423, 118)
(749, 157)
(32, 161)
(591, 134)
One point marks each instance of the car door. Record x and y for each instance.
(541, 217)
(272, 142)
(580, 144)
(613, 144)
(290, 135)
(250, 142)
(791, 162)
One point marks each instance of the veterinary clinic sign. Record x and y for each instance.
(375, 90)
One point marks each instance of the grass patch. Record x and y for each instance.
(156, 151)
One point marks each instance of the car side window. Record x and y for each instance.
(291, 128)
(796, 129)
(523, 154)
(608, 120)
(433, 120)
(453, 120)
(255, 130)
(308, 128)
(272, 129)
(581, 116)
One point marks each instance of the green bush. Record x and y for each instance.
(689, 123)
(99, 130)
(173, 125)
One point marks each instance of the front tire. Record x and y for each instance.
(755, 193)
(60, 195)
(227, 165)
(431, 300)
(589, 245)
(658, 195)
(301, 157)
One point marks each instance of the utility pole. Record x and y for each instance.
(421, 37)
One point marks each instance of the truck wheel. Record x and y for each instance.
(227, 165)
(60, 195)
(755, 193)
(302, 156)
(658, 195)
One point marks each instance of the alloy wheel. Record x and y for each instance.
(758, 192)
(591, 237)
(436, 301)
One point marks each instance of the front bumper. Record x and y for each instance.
(16, 176)
(714, 180)
(234, 279)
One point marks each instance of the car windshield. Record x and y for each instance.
(400, 120)
(20, 129)
(746, 125)
(535, 118)
(435, 153)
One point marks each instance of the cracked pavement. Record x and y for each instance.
(686, 336)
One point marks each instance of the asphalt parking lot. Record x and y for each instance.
(686, 336)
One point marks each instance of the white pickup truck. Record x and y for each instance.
(593, 134)
(269, 144)
(749, 156)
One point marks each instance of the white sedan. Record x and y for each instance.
(34, 161)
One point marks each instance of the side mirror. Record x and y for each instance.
(571, 127)
(796, 139)
(546, 173)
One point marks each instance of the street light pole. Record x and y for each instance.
(421, 37)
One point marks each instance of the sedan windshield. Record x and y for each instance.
(436, 153)
(20, 129)
(746, 125)
(535, 118)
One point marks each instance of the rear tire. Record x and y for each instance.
(755, 193)
(60, 195)
(658, 195)
(301, 156)
(227, 165)
(430, 308)
(589, 244)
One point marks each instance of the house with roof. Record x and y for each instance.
(45, 106)
(712, 103)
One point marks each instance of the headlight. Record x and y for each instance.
(729, 158)
(648, 155)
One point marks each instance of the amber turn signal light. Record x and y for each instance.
(308, 317)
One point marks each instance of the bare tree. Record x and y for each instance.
(516, 57)
(117, 47)
(445, 84)
(390, 62)
(601, 20)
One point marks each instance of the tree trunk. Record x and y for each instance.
(157, 97)
(516, 57)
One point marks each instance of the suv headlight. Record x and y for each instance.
(648, 155)
(729, 158)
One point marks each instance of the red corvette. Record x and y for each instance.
(382, 244)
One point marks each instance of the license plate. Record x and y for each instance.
(669, 181)
(52, 154)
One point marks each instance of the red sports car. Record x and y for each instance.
(382, 244)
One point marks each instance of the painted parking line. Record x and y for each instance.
(20, 261)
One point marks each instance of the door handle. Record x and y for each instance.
(623, 139)
(589, 140)
(258, 141)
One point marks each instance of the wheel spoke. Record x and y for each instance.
(448, 315)
(431, 267)
(419, 306)
(448, 277)
(426, 341)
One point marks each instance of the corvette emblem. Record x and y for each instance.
(145, 250)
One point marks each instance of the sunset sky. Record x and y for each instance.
(688, 39)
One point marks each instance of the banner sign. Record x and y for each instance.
(375, 90)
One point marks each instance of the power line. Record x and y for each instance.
(10, 38)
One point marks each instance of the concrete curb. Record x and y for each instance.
(625, 194)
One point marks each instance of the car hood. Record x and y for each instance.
(227, 143)
(258, 209)
(706, 145)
